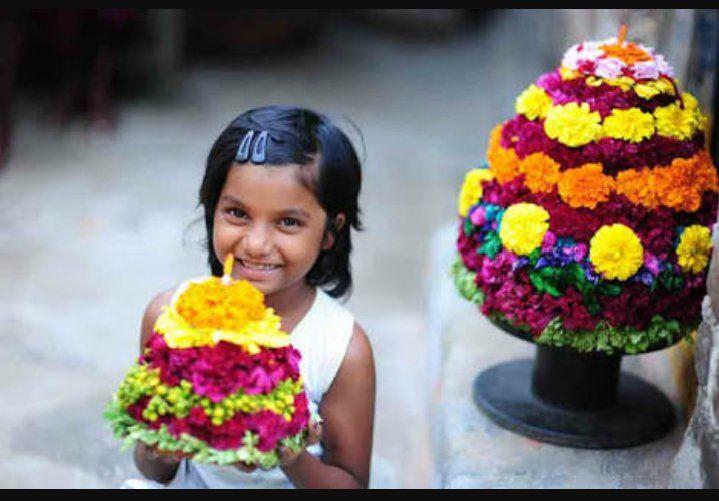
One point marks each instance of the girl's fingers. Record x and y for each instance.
(315, 433)
(287, 457)
(245, 467)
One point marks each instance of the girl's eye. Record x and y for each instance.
(289, 222)
(237, 213)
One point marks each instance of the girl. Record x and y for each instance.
(280, 193)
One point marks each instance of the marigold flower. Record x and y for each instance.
(503, 162)
(694, 248)
(533, 103)
(673, 121)
(523, 227)
(541, 172)
(616, 252)
(573, 124)
(631, 125)
(681, 185)
(638, 187)
(472, 189)
(585, 186)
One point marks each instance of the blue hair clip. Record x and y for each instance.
(259, 153)
(243, 152)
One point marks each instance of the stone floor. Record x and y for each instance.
(92, 226)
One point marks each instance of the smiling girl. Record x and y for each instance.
(280, 194)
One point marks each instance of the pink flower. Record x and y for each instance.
(609, 67)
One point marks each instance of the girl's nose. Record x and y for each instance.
(257, 241)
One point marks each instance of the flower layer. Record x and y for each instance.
(206, 311)
(679, 185)
(211, 398)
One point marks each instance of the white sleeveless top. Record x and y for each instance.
(322, 336)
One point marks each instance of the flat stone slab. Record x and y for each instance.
(473, 452)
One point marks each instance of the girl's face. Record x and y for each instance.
(271, 223)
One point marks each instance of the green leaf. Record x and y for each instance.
(609, 289)
(491, 246)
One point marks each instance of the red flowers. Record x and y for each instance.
(218, 371)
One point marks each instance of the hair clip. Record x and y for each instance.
(243, 152)
(260, 149)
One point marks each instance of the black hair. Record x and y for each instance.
(302, 137)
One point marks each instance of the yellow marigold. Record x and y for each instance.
(638, 187)
(593, 81)
(541, 172)
(616, 252)
(646, 91)
(691, 104)
(568, 73)
(523, 227)
(694, 248)
(631, 125)
(673, 121)
(585, 186)
(624, 83)
(573, 124)
(533, 102)
(472, 189)
(503, 162)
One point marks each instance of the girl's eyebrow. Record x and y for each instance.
(296, 213)
(230, 198)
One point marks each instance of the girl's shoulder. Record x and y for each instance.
(152, 311)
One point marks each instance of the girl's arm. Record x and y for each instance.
(347, 411)
(155, 465)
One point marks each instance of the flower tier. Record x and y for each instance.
(590, 227)
(218, 380)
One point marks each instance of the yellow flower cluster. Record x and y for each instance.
(573, 124)
(205, 312)
(472, 189)
(616, 252)
(677, 122)
(694, 249)
(645, 90)
(533, 102)
(630, 125)
(523, 227)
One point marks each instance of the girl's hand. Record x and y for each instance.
(287, 457)
(169, 458)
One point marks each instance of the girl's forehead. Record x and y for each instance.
(269, 185)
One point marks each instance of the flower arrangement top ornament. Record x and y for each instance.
(218, 379)
(590, 227)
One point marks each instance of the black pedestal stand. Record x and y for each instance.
(573, 399)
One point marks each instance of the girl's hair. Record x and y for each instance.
(302, 137)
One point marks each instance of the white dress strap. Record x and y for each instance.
(322, 337)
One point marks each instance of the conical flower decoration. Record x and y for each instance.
(218, 380)
(590, 227)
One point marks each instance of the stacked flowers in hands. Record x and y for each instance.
(591, 226)
(217, 381)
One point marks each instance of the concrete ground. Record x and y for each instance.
(92, 226)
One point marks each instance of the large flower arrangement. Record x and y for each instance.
(591, 226)
(218, 380)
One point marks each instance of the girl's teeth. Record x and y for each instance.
(257, 266)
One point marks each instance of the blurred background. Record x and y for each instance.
(107, 116)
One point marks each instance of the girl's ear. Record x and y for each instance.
(332, 229)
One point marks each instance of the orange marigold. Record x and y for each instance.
(585, 186)
(541, 172)
(211, 304)
(503, 162)
(677, 185)
(706, 171)
(638, 187)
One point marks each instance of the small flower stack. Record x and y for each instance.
(591, 226)
(218, 380)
